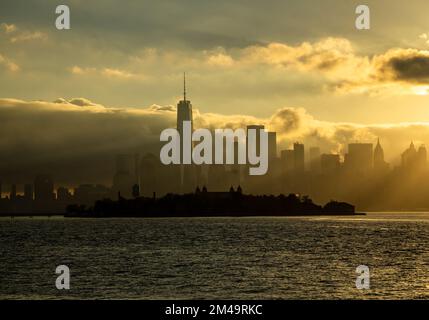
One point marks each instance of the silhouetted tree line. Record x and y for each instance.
(204, 203)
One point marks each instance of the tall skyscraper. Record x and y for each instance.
(422, 157)
(329, 163)
(258, 128)
(287, 161)
(315, 159)
(184, 110)
(43, 188)
(272, 146)
(413, 159)
(13, 192)
(63, 194)
(409, 157)
(360, 157)
(378, 154)
(298, 150)
(379, 163)
(184, 113)
(28, 192)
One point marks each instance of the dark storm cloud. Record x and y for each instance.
(413, 68)
(75, 143)
(187, 23)
(127, 25)
(400, 70)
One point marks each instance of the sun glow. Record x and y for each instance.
(421, 90)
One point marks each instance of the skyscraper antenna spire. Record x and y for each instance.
(184, 86)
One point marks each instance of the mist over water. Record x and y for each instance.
(216, 258)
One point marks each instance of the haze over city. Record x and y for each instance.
(117, 76)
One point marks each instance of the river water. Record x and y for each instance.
(216, 258)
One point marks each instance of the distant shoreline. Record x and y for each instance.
(215, 216)
(175, 216)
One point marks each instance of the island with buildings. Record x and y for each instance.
(203, 203)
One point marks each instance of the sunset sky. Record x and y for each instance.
(300, 67)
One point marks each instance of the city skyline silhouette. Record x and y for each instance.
(361, 176)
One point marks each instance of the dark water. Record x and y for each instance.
(208, 258)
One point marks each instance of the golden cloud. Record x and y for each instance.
(27, 36)
(8, 28)
(105, 72)
(8, 64)
(16, 35)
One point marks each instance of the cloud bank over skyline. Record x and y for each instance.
(76, 140)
